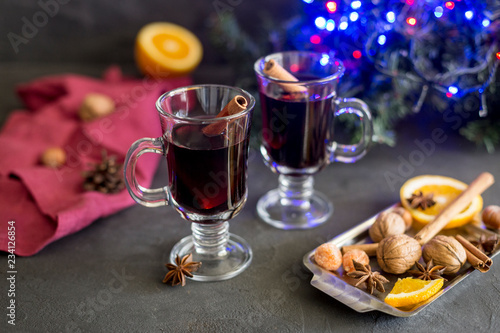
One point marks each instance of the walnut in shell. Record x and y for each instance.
(96, 105)
(397, 254)
(387, 224)
(445, 251)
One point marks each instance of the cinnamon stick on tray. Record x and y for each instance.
(370, 248)
(475, 257)
(478, 186)
(276, 71)
(236, 105)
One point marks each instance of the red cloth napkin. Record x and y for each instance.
(47, 204)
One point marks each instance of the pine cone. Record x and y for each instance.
(105, 177)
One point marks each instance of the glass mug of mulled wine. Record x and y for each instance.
(205, 141)
(299, 102)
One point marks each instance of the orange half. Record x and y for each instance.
(445, 190)
(165, 49)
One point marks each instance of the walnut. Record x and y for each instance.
(397, 254)
(491, 217)
(387, 224)
(445, 251)
(405, 214)
(53, 157)
(95, 106)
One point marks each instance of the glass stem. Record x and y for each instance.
(210, 239)
(296, 188)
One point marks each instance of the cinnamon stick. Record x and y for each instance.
(475, 257)
(478, 186)
(276, 71)
(370, 249)
(236, 105)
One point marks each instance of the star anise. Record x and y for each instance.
(486, 244)
(183, 267)
(429, 272)
(419, 200)
(372, 279)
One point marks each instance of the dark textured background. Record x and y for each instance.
(63, 288)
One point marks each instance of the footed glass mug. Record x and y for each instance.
(207, 174)
(297, 133)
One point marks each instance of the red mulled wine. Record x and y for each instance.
(207, 175)
(295, 132)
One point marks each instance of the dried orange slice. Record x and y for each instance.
(444, 190)
(410, 291)
(165, 49)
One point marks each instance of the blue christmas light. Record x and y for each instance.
(353, 16)
(381, 39)
(330, 25)
(308, 1)
(453, 90)
(469, 14)
(343, 25)
(325, 59)
(486, 23)
(391, 17)
(438, 11)
(320, 22)
(355, 4)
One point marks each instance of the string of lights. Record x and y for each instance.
(389, 33)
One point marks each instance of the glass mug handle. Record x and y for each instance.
(145, 196)
(352, 153)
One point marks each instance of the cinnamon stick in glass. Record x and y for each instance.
(236, 105)
(276, 71)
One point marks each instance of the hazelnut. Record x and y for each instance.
(397, 254)
(491, 217)
(95, 106)
(445, 251)
(405, 214)
(53, 157)
(387, 224)
(358, 255)
(328, 256)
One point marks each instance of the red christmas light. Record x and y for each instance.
(449, 4)
(357, 54)
(331, 6)
(411, 21)
(294, 67)
(498, 55)
(315, 39)
(449, 94)
(410, 2)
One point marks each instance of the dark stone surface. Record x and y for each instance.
(72, 285)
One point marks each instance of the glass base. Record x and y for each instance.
(285, 213)
(228, 262)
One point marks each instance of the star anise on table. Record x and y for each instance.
(429, 272)
(419, 200)
(183, 267)
(486, 244)
(372, 279)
